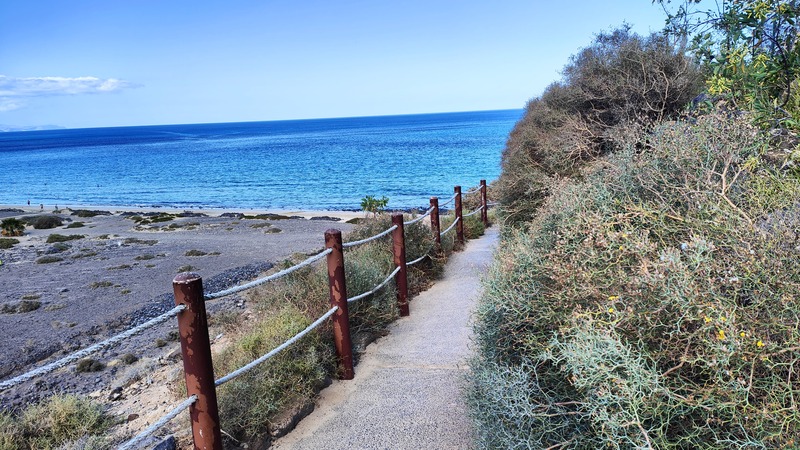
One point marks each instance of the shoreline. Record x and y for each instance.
(210, 212)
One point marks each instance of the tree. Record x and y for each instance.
(750, 50)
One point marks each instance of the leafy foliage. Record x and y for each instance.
(750, 49)
(374, 204)
(12, 227)
(650, 303)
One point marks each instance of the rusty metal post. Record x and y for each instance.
(459, 217)
(399, 251)
(197, 367)
(338, 296)
(435, 220)
(484, 205)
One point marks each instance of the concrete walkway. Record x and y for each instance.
(407, 388)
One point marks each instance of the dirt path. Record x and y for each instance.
(407, 389)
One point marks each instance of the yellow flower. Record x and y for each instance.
(707, 319)
(759, 344)
(722, 319)
(721, 335)
(742, 334)
(611, 310)
(613, 297)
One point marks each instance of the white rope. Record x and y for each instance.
(136, 440)
(413, 221)
(91, 349)
(450, 227)
(473, 190)
(246, 368)
(448, 201)
(269, 278)
(417, 260)
(376, 288)
(474, 212)
(364, 241)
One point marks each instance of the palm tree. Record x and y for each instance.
(12, 227)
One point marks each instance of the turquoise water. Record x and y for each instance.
(298, 164)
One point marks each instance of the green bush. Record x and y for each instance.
(62, 421)
(48, 259)
(6, 243)
(650, 303)
(45, 222)
(76, 225)
(620, 81)
(55, 237)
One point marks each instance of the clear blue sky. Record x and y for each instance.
(89, 63)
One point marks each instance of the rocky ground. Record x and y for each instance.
(120, 274)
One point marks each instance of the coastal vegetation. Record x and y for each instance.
(12, 227)
(645, 291)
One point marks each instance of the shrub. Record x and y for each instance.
(85, 213)
(621, 80)
(374, 205)
(12, 227)
(60, 420)
(651, 303)
(55, 237)
(195, 253)
(89, 365)
(45, 222)
(75, 225)
(48, 259)
(6, 243)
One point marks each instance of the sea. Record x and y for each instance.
(314, 164)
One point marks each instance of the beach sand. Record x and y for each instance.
(119, 274)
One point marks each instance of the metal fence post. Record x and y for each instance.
(338, 296)
(435, 220)
(399, 251)
(484, 205)
(197, 367)
(459, 217)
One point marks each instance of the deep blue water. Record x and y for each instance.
(297, 164)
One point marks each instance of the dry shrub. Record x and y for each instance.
(651, 304)
(620, 79)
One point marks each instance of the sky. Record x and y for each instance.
(91, 63)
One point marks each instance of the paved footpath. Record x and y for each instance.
(407, 391)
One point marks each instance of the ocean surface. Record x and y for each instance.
(297, 164)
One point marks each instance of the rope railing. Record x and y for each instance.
(136, 440)
(448, 200)
(426, 214)
(450, 227)
(250, 366)
(269, 278)
(376, 288)
(80, 354)
(473, 190)
(369, 239)
(480, 208)
(189, 295)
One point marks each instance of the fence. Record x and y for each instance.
(194, 336)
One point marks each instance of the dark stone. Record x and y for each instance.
(166, 444)
(328, 218)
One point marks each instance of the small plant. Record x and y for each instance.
(140, 241)
(12, 227)
(186, 268)
(62, 421)
(55, 237)
(129, 358)
(100, 284)
(6, 243)
(48, 259)
(89, 365)
(87, 213)
(374, 205)
(76, 225)
(58, 247)
(28, 306)
(31, 296)
(120, 267)
(160, 343)
(195, 253)
(145, 257)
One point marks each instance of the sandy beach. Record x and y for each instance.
(120, 273)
